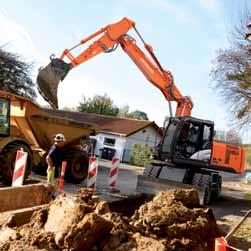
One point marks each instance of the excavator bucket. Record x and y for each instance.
(48, 80)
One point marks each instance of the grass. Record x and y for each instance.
(247, 196)
(242, 238)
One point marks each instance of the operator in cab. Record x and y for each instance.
(55, 158)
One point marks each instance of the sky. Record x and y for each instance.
(185, 36)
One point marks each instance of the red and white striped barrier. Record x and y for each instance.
(114, 172)
(61, 178)
(19, 169)
(92, 172)
(220, 244)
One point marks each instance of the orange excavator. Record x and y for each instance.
(187, 153)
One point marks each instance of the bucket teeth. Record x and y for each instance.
(49, 78)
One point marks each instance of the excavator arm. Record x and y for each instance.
(108, 39)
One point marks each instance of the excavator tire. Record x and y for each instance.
(77, 165)
(217, 189)
(7, 161)
(204, 181)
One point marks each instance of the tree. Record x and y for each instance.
(137, 115)
(15, 75)
(98, 105)
(232, 73)
(70, 109)
(230, 136)
(123, 111)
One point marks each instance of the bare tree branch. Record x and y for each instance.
(232, 73)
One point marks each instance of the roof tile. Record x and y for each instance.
(105, 123)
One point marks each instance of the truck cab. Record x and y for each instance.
(4, 117)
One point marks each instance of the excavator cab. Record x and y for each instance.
(4, 117)
(49, 78)
(187, 138)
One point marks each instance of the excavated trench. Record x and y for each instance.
(172, 220)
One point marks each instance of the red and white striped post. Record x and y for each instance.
(220, 244)
(92, 172)
(19, 169)
(61, 178)
(114, 172)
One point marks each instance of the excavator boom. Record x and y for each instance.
(109, 38)
(50, 76)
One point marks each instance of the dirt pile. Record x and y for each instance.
(173, 220)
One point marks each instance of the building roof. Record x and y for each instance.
(105, 123)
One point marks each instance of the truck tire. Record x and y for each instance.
(8, 157)
(77, 166)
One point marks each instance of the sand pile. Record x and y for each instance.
(173, 220)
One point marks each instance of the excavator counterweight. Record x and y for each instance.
(49, 78)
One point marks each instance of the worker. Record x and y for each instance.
(55, 158)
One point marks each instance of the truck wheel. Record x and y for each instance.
(77, 166)
(8, 157)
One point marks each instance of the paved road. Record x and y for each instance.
(126, 182)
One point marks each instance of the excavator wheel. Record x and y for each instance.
(8, 157)
(77, 165)
(217, 187)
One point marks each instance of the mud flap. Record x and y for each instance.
(49, 78)
(151, 186)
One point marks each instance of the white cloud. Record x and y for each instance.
(210, 5)
(15, 37)
(72, 89)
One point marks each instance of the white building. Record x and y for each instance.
(117, 135)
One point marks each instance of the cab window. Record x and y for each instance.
(4, 116)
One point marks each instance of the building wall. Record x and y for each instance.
(123, 145)
(148, 136)
(119, 143)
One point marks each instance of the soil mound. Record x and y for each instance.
(173, 220)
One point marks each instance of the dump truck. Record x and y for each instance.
(188, 153)
(25, 125)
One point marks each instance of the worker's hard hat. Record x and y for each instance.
(59, 137)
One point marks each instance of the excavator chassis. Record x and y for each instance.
(160, 178)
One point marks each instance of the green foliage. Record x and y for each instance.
(98, 105)
(123, 111)
(141, 155)
(15, 75)
(137, 115)
(102, 104)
